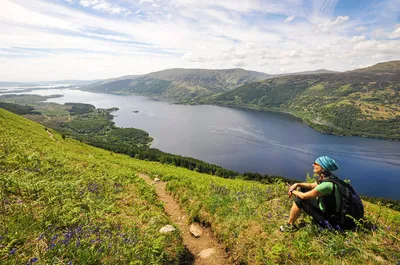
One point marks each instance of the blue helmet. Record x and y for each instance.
(327, 163)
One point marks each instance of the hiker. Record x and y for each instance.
(327, 201)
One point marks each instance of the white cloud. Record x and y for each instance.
(11, 12)
(238, 63)
(289, 19)
(193, 57)
(104, 6)
(290, 54)
(376, 47)
(183, 33)
(313, 60)
(378, 33)
(250, 45)
(357, 39)
(240, 6)
(269, 55)
(396, 33)
(321, 9)
(361, 28)
(87, 3)
(331, 24)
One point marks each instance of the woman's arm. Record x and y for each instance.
(307, 195)
(305, 185)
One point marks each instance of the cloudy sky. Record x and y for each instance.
(90, 39)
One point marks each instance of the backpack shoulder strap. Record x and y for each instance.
(330, 199)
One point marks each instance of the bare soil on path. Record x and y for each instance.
(192, 244)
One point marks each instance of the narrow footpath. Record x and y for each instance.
(204, 249)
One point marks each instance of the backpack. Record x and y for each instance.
(351, 209)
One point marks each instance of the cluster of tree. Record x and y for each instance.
(17, 109)
(347, 120)
(267, 179)
(90, 125)
(128, 136)
(80, 108)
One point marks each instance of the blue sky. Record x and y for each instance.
(92, 39)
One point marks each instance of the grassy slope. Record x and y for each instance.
(68, 202)
(71, 186)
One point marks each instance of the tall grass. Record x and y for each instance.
(62, 202)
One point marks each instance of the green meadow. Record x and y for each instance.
(64, 202)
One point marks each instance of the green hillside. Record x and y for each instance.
(63, 202)
(179, 84)
(364, 102)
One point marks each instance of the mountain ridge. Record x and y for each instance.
(184, 83)
(362, 102)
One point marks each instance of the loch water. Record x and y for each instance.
(246, 140)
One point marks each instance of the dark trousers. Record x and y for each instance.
(311, 207)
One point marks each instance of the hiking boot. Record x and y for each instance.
(288, 228)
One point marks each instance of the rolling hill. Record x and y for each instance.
(364, 102)
(179, 83)
(184, 85)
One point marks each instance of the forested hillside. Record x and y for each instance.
(364, 102)
(179, 84)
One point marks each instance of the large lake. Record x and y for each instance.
(245, 140)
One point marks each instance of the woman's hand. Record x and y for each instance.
(291, 189)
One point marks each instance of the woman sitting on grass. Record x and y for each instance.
(322, 200)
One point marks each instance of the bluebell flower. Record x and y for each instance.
(13, 251)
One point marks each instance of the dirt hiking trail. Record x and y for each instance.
(211, 252)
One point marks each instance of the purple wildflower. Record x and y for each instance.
(13, 251)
